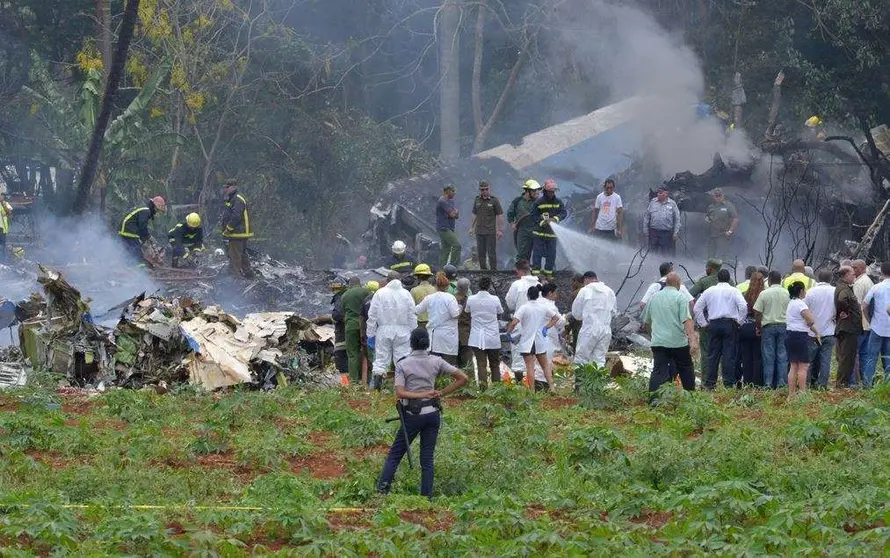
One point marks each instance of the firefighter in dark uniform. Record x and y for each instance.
(236, 229)
(548, 209)
(419, 408)
(185, 238)
(134, 231)
(400, 260)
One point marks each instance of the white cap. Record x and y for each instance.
(398, 247)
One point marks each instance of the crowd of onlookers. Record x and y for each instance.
(771, 330)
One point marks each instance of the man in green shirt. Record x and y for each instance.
(722, 220)
(673, 335)
(487, 225)
(769, 311)
(351, 303)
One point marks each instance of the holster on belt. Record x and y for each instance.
(414, 406)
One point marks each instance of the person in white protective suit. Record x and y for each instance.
(595, 305)
(536, 317)
(443, 310)
(517, 295)
(390, 322)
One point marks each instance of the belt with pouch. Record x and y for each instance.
(421, 406)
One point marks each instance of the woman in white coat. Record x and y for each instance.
(443, 310)
(550, 296)
(536, 317)
(485, 334)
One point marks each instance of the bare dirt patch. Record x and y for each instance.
(351, 520)
(319, 439)
(52, 458)
(652, 518)
(360, 405)
(371, 451)
(77, 406)
(322, 466)
(558, 402)
(111, 424)
(432, 520)
(7, 404)
(175, 529)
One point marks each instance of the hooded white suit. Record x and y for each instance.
(595, 305)
(390, 321)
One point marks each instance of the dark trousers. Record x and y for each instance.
(662, 242)
(750, 358)
(237, 252)
(133, 246)
(544, 248)
(723, 334)
(486, 247)
(450, 359)
(523, 240)
(3, 257)
(428, 427)
(820, 362)
(488, 362)
(541, 386)
(669, 361)
(847, 347)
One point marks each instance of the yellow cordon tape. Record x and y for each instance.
(180, 507)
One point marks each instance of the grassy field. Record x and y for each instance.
(133, 472)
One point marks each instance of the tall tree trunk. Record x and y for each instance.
(81, 201)
(479, 140)
(449, 73)
(103, 19)
(479, 37)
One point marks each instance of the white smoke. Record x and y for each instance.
(625, 48)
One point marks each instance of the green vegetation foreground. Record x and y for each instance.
(728, 471)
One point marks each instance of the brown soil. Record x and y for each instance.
(432, 520)
(857, 529)
(319, 439)
(285, 424)
(558, 402)
(837, 396)
(175, 529)
(268, 544)
(52, 458)
(77, 406)
(216, 461)
(349, 520)
(321, 466)
(7, 404)
(361, 405)
(534, 511)
(652, 518)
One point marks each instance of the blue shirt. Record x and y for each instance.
(880, 320)
(443, 208)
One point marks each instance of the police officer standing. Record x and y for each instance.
(420, 409)
(722, 220)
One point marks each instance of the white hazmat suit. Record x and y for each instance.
(390, 321)
(443, 311)
(595, 305)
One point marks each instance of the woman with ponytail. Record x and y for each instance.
(535, 319)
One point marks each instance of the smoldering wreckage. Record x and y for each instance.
(180, 334)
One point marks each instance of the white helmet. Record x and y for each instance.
(398, 247)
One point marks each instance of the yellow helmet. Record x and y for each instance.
(531, 185)
(813, 121)
(372, 286)
(193, 220)
(422, 269)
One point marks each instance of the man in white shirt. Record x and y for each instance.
(721, 308)
(596, 305)
(517, 295)
(877, 305)
(657, 286)
(820, 301)
(608, 212)
(861, 287)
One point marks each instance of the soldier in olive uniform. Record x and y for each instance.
(722, 221)
(700, 286)
(487, 225)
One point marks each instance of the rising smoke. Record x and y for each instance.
(624, 47)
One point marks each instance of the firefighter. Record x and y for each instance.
(185, 238)
(236, 229)
(134, 227)
(5, 212)
(549, 209)
(401, 261)
(519, 217)
(815, 128)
